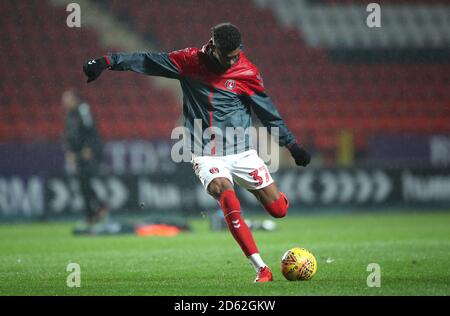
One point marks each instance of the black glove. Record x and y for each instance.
(301, 156)
(93, 68)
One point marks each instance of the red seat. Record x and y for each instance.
(311, 91)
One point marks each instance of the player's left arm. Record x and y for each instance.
(269, 116)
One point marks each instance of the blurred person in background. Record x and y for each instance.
(83, 152)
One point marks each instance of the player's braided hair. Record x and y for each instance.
(227, 37)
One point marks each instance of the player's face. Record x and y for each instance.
(227, 60)
(69, 100)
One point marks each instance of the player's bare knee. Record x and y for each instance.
(218, 186)
(214, 190)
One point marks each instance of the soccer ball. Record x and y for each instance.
(298, 264)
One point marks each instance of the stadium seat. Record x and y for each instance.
(300, 73)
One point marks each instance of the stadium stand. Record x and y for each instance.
(42, 57)
(318, 96)
(343, 25)
(318, 93)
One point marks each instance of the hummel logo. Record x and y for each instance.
(91, 62)
(236, 224)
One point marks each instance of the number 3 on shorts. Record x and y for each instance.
(257, 177)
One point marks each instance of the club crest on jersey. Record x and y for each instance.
(230, 85)
(214, 170)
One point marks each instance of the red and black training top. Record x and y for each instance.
(216, 105)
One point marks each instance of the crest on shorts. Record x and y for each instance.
(214, 170)
(230, 84)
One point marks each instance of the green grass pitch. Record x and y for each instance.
(412, 249)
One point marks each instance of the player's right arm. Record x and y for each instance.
(152, 64)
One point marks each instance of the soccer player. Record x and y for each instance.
(220, 88)
(83, 152)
